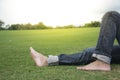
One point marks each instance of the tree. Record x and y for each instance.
(40, 25)
(27, 26)
(65, 27)
(69, 26)
(14, 27)
(92, 24)
(1, 24)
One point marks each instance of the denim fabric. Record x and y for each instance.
(110, 29)
(85, 57)
(79, 58)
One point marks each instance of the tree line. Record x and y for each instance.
(41, 25)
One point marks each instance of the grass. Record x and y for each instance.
(16, 62)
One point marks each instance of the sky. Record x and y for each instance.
(55, 12)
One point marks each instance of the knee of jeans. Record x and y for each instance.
(89, 50)
(111, 13)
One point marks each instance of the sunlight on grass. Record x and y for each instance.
(16, 62)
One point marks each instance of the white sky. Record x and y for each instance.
(55, 12)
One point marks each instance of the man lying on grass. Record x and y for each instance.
(98, 58)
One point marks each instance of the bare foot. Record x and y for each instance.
(40, 60)
(96, 65)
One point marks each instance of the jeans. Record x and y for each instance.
(85, 57)
(110, 29)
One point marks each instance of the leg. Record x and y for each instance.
(85, 57)
(80, 58)
(110, 29)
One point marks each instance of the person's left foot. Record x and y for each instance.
(39, 59)
(96, 65)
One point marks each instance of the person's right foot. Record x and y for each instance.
(96, 65)
(40, 60)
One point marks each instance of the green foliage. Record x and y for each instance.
(65, 27)
(69, 26)
(1, 24)
(41, 25)
(92, 24)
(14, 27)
(28, 26)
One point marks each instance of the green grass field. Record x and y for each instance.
(16, 62)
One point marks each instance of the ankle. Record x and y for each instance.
(101, 62)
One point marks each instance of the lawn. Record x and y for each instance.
(16, 62)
